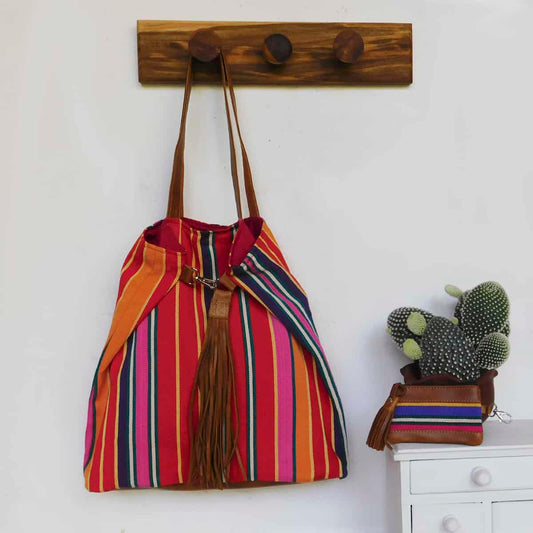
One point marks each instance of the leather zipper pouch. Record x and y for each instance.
(445, 414)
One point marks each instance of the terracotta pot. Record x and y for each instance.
(411, 376)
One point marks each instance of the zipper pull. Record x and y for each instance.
(503, 416)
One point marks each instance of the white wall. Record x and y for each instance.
(378, 197)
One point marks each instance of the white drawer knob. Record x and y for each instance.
(450, 523)
(481, 476)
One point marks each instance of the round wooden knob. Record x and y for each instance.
(348, 46)
(450, 524)
(204, 45)
(481, 476)
(277, 48)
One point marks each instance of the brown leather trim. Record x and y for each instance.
(486, 386)
(440, 437)
(187, 275)
(220, 304)
(411, 374)
(444, 393)
(175, 197)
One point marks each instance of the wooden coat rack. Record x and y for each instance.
(272, 53)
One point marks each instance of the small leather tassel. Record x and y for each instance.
(377, 437)
(214, 439)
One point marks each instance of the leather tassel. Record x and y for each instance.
(377, 437)
(214, 439)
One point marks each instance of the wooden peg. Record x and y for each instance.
(348, 46)
(204, 45)
(277, 48)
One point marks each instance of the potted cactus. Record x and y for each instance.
(467, 348)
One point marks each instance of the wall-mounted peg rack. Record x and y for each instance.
(276, 53)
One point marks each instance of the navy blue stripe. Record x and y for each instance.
(285, 280)
(437, 411)
(208, 269)
(133, 392)
(123, 409)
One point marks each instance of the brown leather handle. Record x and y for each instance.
(175, 197)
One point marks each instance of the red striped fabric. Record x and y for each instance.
(291, 425)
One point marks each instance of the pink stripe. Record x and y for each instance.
(285, 405)
(435, 427)
(141, 405)
(89, 429)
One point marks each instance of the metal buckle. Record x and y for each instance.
(502, 416)
(208, 282)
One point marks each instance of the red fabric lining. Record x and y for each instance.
(165, 234)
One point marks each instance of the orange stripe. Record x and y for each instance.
(132, 281)
(319, 400)
(101, 473)
(307, 388)
(127, 316)
(132, 256)
(267, 250)
(270, 235)
(142, 285)
(304, 469)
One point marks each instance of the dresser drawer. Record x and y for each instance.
(453, 517)
(471, 475)
(512, 517)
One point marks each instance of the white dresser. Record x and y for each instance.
(464, 489)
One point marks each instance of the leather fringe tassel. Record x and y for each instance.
(214, 439)
(377, 437)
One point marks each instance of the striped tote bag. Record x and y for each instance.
(212, 375)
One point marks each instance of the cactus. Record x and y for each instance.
(397, 324)
(443, 348)
(492, 351)
(411, 348)
(456, 292)
(506, 330)
(474, 339)
(482, 310)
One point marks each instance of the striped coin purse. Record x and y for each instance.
(446, 414)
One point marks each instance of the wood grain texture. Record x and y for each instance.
(386, 60)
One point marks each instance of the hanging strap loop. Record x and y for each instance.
(175, 199)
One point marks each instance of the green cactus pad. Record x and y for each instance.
(459, 307)
(485, 310)
(412, 349)
(445, 349)
(397, 324)
(416, 323)
(493, 350)
(454, 291)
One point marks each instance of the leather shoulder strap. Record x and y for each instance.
(175, 198)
